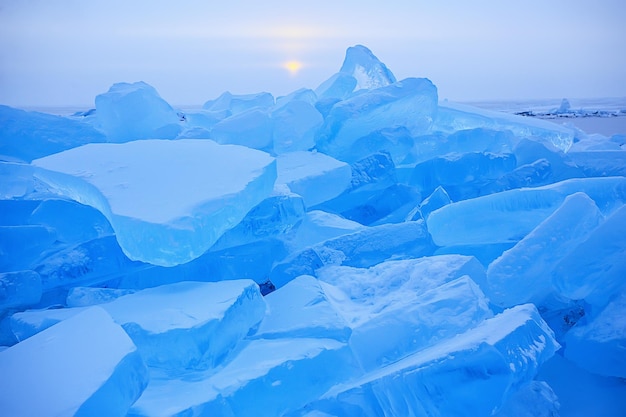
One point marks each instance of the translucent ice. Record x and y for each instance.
(513, 214)
(596, 269)
(235, 103)
(370, 175)
(313, 175)
(416, 320)
(30, 135)
(301, 309)
(135, 111)
(411, 103)
(86, 365)
(19, 289)
(600, 163)
(337, 87)
(452, 117)
(90, 263)
(368, 71)
(461, 174)
(437, 199)
(269, 377)
(22, 246)
(72, 222)
(16, 179)
(365, 292)
(295, 125)
(88, 296)
(471, 374)
(189, 324)
(361, 70)
(275, 216)
(363, 248)
(524, 273)
(530, 175)
(462, 141)
(182, 325)
(390, 205)
(535, 399)
(303, 94)
(396, 141)
(318, 226)
(252, 128)
(598, 346)
(156, 192)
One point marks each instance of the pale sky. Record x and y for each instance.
(65, 52)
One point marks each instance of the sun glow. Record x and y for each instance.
(293, 67)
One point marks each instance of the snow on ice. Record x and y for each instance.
(355, 249)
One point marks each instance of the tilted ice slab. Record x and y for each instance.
(252, 128)
(237, 103)
(461, 174)
(29, 135)
(266, 378)
(131, 111)
(452, 117)
(182, 325)
(368, 71)
(361, 70)
(16, 179)
(510, 215)
(84, 366)
(19, 289)
(317, 226)
(362, 293)
(295, 125)
(301, 309)
(524, 273)
(274, 216)
(535, 399)
(470, 374)
(596, 269)
(168, 201)
(414, 321)
(363, 248)
(598, 346)
(411, 103)
(315, 176)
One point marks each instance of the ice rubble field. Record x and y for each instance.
(357, 250)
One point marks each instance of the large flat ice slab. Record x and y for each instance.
(168, 201)
(85, 366)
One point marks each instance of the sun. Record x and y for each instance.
(293, 66)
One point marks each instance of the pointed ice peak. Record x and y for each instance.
(368, 71)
